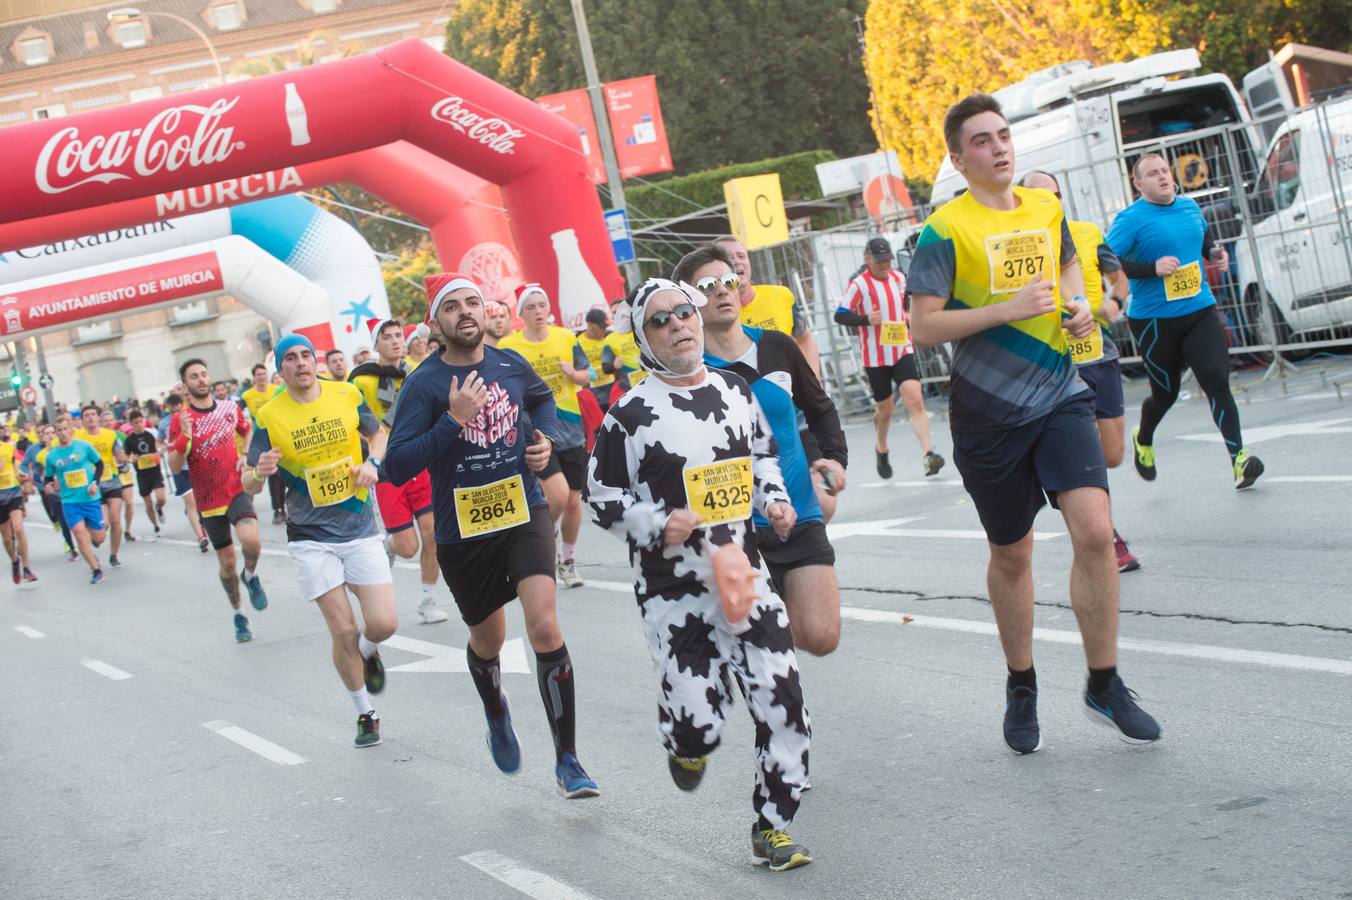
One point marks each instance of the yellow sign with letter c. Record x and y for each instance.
(756, 210)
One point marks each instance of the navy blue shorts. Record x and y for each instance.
(182, 483)
(1105, 380)
(1010, 473)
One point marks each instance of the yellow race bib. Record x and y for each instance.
(719, 492)
(491, 507)
(75, 478)
(1183, 282)
(1018, 259)
(8, 479)
(895, 334)
(331, 484)
(127, 477)
(1086, 349)
(149, 461)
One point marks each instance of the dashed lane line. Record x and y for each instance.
(110, 672)
(252, 742)
(533, 884)
(28, 631)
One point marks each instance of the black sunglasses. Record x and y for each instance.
(681, 311)
(708, 284)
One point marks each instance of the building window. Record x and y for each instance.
(145, 93)
(54, 111)
(320, 7)
(95, 332)
(197, 311)
(226, 16)
(131, 34)
(35, 51)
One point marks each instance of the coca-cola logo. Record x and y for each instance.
(189, 135)
(495, 133)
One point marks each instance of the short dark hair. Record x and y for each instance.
(697, 259)
(134, 415)
(387, 324)
(256, 367)
(188, 364)
(88, 406)
(329, 355)
(964, 109)
(173, 400)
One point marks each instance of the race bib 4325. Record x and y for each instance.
(719, 492)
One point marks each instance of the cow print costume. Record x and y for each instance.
(634, 482)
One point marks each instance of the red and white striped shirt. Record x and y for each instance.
(867, 293)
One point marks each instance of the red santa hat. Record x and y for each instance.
(441, 284)
(411, 331)
(524, 291)
(374, 326)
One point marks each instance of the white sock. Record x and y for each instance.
(248, 573)
(568, 550)
(366, 647)
(427, 590)
(361, 701)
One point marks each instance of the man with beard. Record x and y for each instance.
(203, 435)
(679, 464)
(335, 361)
(461, 418)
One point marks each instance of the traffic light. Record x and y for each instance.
(15, 378)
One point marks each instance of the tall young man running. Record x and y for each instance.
(108, 445)
(203, 435)
(405, 510)
(1097, 360)
(986, 276)
(875, 305)
(310, 436)
(125, 476)
(73, 469)
(679, 464)
(554, 354)
(460, 416)
(143, 449)
(1163, 243)
(173, 405)
(260, 391)
(12, 513)
(35, 461)
(802, 567)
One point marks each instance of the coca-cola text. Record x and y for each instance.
(495, 133)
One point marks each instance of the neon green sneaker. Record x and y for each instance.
(774, 849)
(1247, 470)
(1145, 455)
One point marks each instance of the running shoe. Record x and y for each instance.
(368, 730)
(28, 575)
(131, 538)
(502, 741)
(1247, 470)
(933, 463)
(14, 569)
(566, 571)
(96, 577)
(242, 632)
(574, 782)
(884, 465)
(373, 671)
(159, 511)
(775, 849)
(687, 773)
(1126, 560)
(429, 612)
(157, 532)
(257, 596)
(204, 545)
(71, 555)
(114, 561)
(1022, 733)
(1144, 457)
(1116, 708)
(279, 518)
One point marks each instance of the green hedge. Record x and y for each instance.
(797, 177)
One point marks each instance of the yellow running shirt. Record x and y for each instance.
(592, 347)
(771, 309)
(545, 357)
(103, 444)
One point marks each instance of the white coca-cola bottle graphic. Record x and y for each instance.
(579, 290)
(296, 118)
(586, 144)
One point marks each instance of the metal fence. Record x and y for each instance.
(1282, 209)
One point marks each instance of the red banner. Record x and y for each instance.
(575, 106)
(636, 124)
(110, 293)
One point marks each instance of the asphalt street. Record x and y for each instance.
(145, 754)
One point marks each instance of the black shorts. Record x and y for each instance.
(147, 480)
(807, 546)
(883, 380)
(218, 527)
(10, 505)
(483, 574)
(1007, 471)
(571, 462)
(1105, 380)
(109, 491)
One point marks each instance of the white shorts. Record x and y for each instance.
(321, 567)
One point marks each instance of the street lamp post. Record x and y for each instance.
(128, 13)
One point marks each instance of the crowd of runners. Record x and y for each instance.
(689, 420)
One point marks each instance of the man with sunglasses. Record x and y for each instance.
(770, 306)
(802, 568)
(679, 464)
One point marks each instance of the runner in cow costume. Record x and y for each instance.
(679, 463)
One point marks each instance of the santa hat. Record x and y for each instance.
(525, 291)
(412, 331)
(374, 326)
(440, 285)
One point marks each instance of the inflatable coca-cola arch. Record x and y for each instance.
(453, 149)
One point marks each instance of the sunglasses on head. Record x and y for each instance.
(682, 311)
(708, 284)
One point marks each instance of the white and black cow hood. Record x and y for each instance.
(638, 303)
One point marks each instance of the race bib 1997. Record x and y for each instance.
(331, 484)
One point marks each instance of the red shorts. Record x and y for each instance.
(399, 506)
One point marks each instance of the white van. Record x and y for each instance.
(1297, 257)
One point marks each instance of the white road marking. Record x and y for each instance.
(26, 631)
(250, 741)
(1271, 432)
(443, 658)
(107, 671)
(1053, 636)
(890, 528)
(528, 881)
(1309, 479)
(1166, 648)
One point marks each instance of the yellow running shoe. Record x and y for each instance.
(1145, 455)
(774, 849)
(1247, 470)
